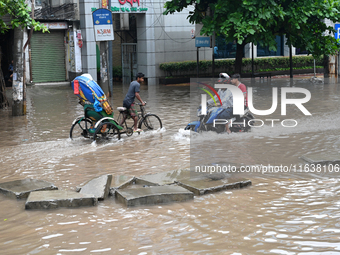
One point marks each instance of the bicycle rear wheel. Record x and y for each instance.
(150, 122)
(80, 129)
(106, 130)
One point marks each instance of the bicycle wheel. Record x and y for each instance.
(80, 129)
(106, 130)
(150, 122)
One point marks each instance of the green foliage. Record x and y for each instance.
(226, 65)
(244, 21)
(284, 69)
(117, 71)
(305, 27)
(19, 12)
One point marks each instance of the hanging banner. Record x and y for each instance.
(102, 23)
(104, 4)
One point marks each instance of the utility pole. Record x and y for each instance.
(104, 74)
(18, 105)
(19, 70)
(290, 61)
(104, 59)
(110, 62)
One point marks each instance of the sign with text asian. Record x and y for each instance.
(126, 6)
(102, 23)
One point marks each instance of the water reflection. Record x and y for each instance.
(292, 214)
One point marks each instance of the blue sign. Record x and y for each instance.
(202, 42)
(102, 17)
(337, 31)
(102, 24)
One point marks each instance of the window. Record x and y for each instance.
(224, 49)
(263, 51)
(299, 51)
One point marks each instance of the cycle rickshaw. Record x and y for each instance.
(97, 121)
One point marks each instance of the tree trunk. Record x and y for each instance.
(238, 59)
(326, 65)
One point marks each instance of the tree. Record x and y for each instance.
(19, 12)
(246, 21)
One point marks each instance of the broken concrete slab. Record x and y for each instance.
(121, 181)
(58, 198)
(132, 182)
(153, 195)
(22, 188)
(206, 185)
(165, 178)
(98, 187)
(322, 158)
(198, 182)
(139, 181)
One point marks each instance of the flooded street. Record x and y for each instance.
(294, 213)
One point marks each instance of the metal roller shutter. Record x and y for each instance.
(48, 56)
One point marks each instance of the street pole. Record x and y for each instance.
(213, 64)
(213, 41)
(290, 61)
(104, 76)
(110, 62)
(198, 62)
(252, 60)
(18, 108)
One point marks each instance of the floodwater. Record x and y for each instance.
(295, 213)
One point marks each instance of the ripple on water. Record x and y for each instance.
(281, 212)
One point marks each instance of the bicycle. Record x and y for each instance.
(148, 121)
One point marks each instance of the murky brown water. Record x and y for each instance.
(286, 214)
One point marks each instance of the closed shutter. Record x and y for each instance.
(48, 56)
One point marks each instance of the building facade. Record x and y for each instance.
(144, 37)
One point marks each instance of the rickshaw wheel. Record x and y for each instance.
(80, 129)
(106, 130)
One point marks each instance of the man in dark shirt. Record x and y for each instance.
(129, 99)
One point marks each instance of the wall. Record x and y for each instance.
(163, 38)
(88, 51)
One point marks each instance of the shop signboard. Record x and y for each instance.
(55, 25)
(127, 6)
(102, 23)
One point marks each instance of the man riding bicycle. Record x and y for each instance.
(129, 99)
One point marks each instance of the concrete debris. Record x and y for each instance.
(58, 198)
(153, 195)
(98, 187)
(22, 188)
